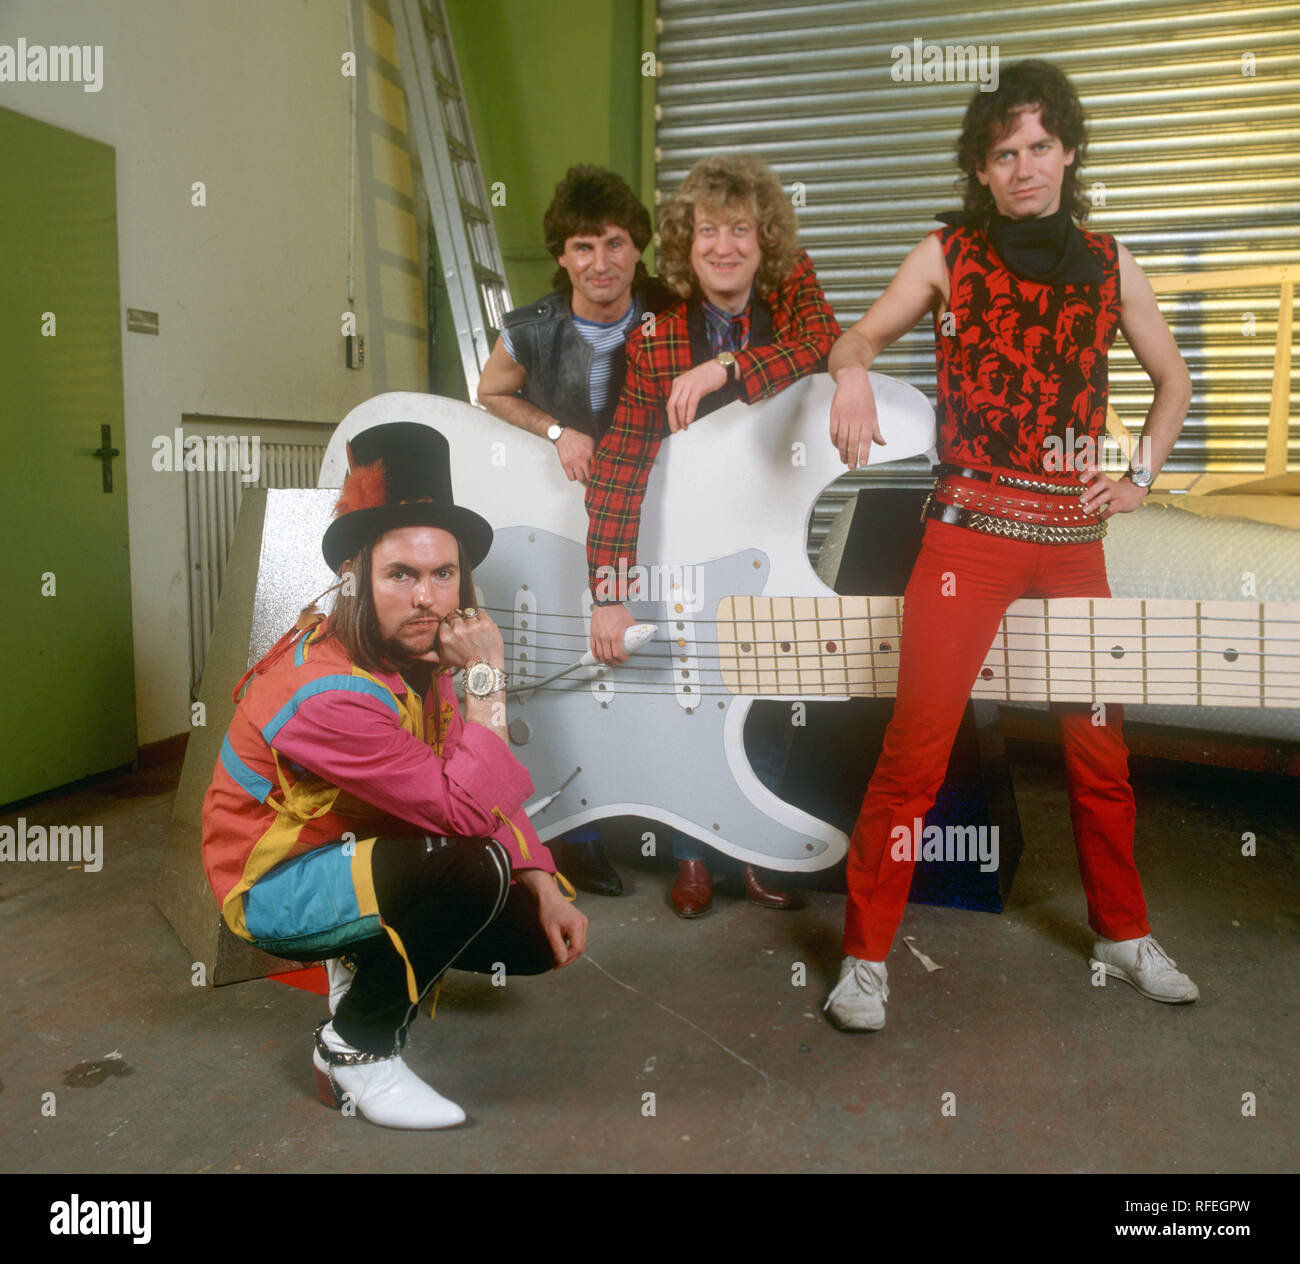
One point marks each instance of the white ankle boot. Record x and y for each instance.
(383, 1090)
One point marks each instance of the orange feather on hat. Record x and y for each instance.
(366, 487)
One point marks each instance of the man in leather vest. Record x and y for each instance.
(1025, 304)
(558, 368)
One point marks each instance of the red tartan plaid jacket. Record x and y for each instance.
(803, 331)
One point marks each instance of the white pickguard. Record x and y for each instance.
(730, 498)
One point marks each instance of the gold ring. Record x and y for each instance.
(470, 613)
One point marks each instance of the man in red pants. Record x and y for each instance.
(1005, 520)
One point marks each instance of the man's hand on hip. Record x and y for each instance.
(1106, 496)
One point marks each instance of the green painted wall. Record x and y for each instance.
(548, 85)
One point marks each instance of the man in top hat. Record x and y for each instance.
(1026, 305)
(355, 810)
(557, 370)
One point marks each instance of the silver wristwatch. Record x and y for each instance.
(554, 431)
(1140, 476)
(482, 680)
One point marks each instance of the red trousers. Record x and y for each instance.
(959, 590)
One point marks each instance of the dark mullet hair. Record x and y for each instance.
(1022, 86)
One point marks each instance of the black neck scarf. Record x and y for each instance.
(1049, 250)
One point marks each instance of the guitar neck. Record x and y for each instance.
(1076, 649)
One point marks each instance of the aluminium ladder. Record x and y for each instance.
(453, 180)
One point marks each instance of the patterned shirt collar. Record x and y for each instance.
(727, 332)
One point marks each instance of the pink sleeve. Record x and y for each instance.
(355, 742)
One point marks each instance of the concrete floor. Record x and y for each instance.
(1049, 1073)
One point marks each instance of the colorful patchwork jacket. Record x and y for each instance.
(320, 749)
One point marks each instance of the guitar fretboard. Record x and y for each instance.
(1076, 649)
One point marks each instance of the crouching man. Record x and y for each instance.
(355, 810)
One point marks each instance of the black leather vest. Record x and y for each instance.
(558, 358)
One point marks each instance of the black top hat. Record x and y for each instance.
(399, 475)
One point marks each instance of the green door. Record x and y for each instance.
(67, 695)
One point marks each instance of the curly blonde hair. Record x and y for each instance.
(740, 184)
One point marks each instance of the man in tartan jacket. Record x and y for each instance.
(752, 319)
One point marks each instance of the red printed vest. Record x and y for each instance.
(1019, 362)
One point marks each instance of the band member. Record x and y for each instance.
(354, 810)
(1012, 277)
(557, 369)
(751, 320)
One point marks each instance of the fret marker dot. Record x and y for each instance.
(986, 673)
(745, 647)
(1117, 651)
(785, 647)
(1230, 655)
(830, 646)
(885, 647)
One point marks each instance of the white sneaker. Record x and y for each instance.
(1146, 966)
(340, 979)
(857, 1002)
(383, 1090)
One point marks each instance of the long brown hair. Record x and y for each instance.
(353, 621)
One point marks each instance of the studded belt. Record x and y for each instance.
(1012, 507)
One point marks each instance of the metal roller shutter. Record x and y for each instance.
(1194, 154)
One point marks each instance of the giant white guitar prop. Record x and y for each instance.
(739, 614)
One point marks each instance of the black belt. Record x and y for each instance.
(961, 471)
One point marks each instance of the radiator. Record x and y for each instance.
(212, 500)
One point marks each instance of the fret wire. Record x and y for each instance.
(1262, 691)
(1198, 653)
